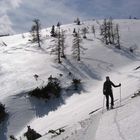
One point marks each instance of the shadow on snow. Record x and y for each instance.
(42, 107)
(3, 128)
(79, 70)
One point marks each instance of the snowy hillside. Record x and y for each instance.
(20, 61)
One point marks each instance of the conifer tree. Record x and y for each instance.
(58, 24)
(62, 41)
(53, 32)
(76, 48)
(12, 137)
(56, 47)
(74, 31)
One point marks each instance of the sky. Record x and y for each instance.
(16, 16)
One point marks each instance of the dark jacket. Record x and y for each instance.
(107, 88)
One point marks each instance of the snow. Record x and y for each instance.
(121, 123)
(20, 60)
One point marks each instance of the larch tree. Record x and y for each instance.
(77, 47)
(36, 32)
(77, 21)
(93, 29)
(112, 30)
(117, 37)
(84, 31)
(104, 32)
(56, 47)
(110, 33)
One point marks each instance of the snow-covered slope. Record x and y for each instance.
(20, 60)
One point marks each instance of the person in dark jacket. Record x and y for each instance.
(107, 91)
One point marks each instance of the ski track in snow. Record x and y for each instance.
(117, 125)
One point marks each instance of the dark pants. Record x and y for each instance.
(107, 100)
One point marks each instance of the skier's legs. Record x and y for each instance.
(112, 99)
(107, 101)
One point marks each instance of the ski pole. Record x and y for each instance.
(120, 96)
(103, 104)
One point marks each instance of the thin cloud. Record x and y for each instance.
(20, 13)
(5, 25)
(5, 21)
(15, 3)
(116, 8)
(53, 11)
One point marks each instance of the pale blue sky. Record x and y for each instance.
(17, 15)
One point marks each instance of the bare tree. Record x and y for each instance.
(110, 33)
(104, 32)
(23, 36)
(117, 36)
(108, 29)
(35, 32)
(77, 21)
(58, 48)
(93, 30)
(84, 31)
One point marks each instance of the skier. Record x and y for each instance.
(107, 91)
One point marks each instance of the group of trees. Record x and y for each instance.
(31, 134)
(110, 33)
(58, 47)
(77, 48)
(59, 38)
(130, 17)
(52, 89)
(54, 31)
